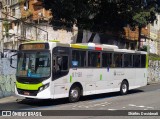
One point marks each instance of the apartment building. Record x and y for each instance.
(155, 36)
(1, 43)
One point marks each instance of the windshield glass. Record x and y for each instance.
(34, 65)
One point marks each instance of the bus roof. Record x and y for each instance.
(93, 46)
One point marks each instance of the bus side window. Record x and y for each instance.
(128, 60)
(106, 59)
(118, 60)
(78, 58)
(143, 61)
(94, 59)
(136, 61)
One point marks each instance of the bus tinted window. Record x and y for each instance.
(117, 60)
(136, 61)
(143, 61)
(93, 59)
(128, 60)
(78, 58)
(106, 59)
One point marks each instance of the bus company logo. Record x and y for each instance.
(6, 113)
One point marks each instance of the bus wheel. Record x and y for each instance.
(124, 88)
(74, 94)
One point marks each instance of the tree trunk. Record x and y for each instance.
(79, 37)
(92, 37)
(139, 37)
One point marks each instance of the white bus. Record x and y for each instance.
(52, 70)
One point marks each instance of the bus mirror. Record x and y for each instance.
(11, 60)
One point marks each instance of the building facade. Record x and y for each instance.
(1, 35)
(155, 36)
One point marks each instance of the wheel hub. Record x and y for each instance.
(124, 88)
(74, 93)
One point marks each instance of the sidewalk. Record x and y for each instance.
(153, 82)
(10, 99)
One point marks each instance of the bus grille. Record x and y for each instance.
(27, 92)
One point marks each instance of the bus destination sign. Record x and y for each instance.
(34, 46)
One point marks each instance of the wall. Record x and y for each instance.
(154, 71)
(7, 78)
(0, 27)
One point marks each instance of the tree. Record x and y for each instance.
(102, 15)
(143, 12)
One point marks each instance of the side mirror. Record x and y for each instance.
(11, 61)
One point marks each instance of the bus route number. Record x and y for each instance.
(77, 74)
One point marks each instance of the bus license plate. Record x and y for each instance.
(26, 93)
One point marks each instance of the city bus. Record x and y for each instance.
(52, 70)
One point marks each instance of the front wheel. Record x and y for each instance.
(124, 88)
(74, 94)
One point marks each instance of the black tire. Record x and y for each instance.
(74, 94)
(124, 88)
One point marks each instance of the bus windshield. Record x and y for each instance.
(33, 64)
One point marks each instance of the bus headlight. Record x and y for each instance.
(44, 87)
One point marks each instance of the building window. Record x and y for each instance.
(13, 12)
(26, 5)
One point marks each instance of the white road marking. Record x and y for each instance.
(140, 106)
(123, 107)
(112, 109)
(103, 105)
(132, 105)
(91, 105)
(151, 107)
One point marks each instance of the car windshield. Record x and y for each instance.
(34, 65)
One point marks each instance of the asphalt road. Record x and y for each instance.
(145, 98)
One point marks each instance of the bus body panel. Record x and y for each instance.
(94, 80)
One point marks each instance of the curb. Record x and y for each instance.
(152, 83)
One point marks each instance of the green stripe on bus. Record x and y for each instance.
(28, 86)
(100, 76)
(84, 47)
(147, 60)
(70, 79)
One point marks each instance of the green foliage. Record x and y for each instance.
(102, 15)
(144, 48)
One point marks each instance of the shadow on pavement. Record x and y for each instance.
(53, 102)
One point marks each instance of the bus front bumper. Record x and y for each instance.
(44, 94)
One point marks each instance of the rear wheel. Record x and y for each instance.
(74, 94)
(124, 88)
